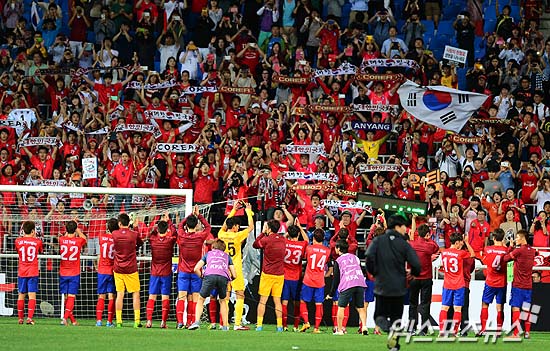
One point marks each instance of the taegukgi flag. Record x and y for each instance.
(443, 107)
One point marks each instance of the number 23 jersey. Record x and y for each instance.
(294, 252)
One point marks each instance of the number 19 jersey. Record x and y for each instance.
(28, 249)
(453, 266)
(317, 257)
(294, 252)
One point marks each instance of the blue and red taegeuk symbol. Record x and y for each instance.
(436, 100)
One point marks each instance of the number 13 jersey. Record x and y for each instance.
(453, 262)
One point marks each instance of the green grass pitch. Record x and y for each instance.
(48, 335)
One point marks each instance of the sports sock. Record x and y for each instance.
(260, 321)
(515, 320)
(296, 314)
(285, 315)
(500, 320)
(150, 309)
(334, 315)
(111, 310)
(213, 311)
(119, 316)
(318, 315)
(69, 306)
(484, 316)
(21, 308)
(457, 317)
(137, 318)
(279, 322)
(442, 318)
(346, 317)
(32, 306)
(304, 312)
(191, 312)
(239, 307)
(527, 323)
(165, 309)
(179, 311)
(99, 307)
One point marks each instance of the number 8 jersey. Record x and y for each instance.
(453, 262)
(69, 248)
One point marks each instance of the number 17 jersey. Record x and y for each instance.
(317, 257)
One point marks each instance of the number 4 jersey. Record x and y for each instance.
(106, 254)
(496, 269)
(294, 252)
(317, 257)
(69, 248)
(28, 249)
(453, 262)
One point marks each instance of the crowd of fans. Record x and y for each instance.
(84, 75)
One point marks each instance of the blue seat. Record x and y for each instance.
(490, 13)
(489, 26)
(451, 11)
(439, 42)
(515, 13)
(428, 26)
(427, 37)
(446, 28)
(461, 76)
(438, 54)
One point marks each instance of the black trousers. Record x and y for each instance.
(388, 310)
(420, 298)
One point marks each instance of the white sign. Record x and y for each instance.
(455, 54)
(4, 311)
(89, 168)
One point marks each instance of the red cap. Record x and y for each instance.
(332, 58)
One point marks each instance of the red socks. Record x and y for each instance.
(179, 310)
(303, 312)
(484, 316)
(213, 310)
(457, 317)
(150, 309)
(165, 309)
(99, 307)
(69, 306)
(21, 308)
(111, 310)
(442, 318)
(515, 319)
(500, 320)
(191, 312)
(346, 317)
(32, 306)
(285, 315)
(334, 315)
(318, 315)
(296, 314)
(527, 323)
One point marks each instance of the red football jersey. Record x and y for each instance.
(453, 266)
(523, 257)
(317, 257)
(294, 252)
(162, 250)
(190, 245)
(496, 268)
(70, 248)
(106, 254)
(28, 249)
(126, 243)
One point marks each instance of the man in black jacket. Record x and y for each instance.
(386, 259)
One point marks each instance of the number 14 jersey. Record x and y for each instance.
(317, 258)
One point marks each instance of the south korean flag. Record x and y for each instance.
(443, 107)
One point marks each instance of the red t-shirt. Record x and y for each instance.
(528, 184)
(274, 248)
(106, 254)
(126, 242)
(496, 268)
(523, 258)
(478, 233)
(204, 187)
(70, 248)
(190, 246)
(122, 175)
(317, 257)
(294, 252)
(352, 227)
(425, 248)
(105, 93)
(45, 168)
(28, 249)
(97, 224)
(162, 249)
(453, 266)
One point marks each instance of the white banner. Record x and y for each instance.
(304, 149)
(101, 131)
(177, 148)
(12, 124)
(142, 128)
(443, 107)
(375, 108)
(329, 177)
(170, 116)
(89, 168)
(384, 167)
(25, 115)
(344, 68)
(38, 141)
(52, 182)
(199, 90)
(387, 63)
(348, 205)
(137, 85)
(455, 54)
